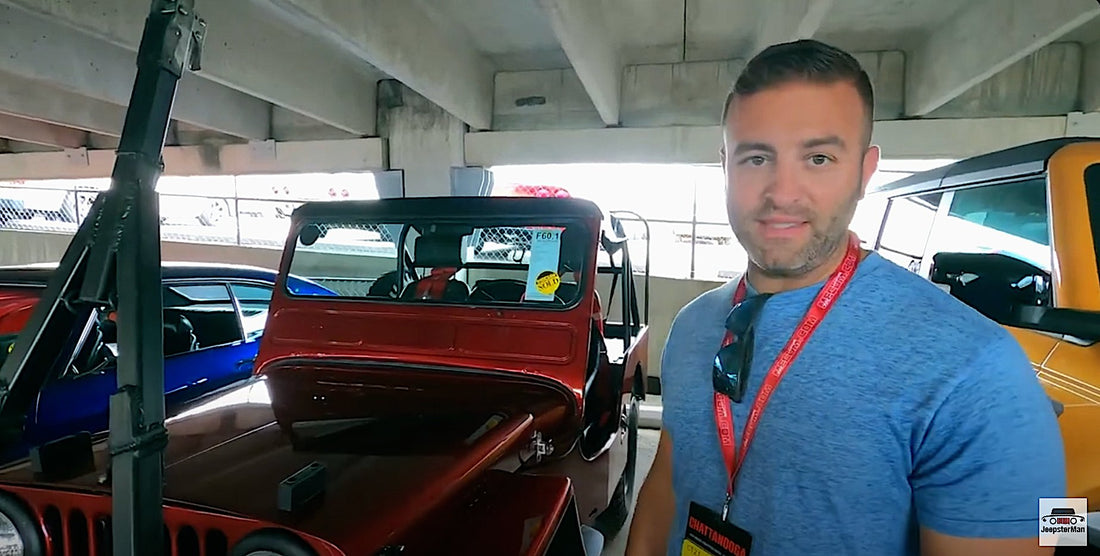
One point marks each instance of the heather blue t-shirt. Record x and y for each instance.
(905, 408)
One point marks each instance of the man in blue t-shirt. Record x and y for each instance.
(890, 418)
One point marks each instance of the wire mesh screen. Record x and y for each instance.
(42, 209)
(351, 239)
(346, 259)
(502, 244)
(345, 287)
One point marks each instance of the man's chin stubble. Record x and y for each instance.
(806, 261)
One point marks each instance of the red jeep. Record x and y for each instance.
(441, 401)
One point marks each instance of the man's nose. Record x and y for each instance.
(785, 185)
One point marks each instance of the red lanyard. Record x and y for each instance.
(722, 414)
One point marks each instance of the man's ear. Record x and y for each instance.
(870, 166)
(722, 156)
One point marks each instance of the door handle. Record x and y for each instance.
(245, 363)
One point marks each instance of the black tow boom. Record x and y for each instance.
(113, 263)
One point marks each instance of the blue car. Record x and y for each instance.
(214, 316)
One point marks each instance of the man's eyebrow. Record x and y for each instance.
(823, 141)
(751, 146)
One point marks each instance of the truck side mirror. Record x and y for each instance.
(994, 284)
(1083, 325)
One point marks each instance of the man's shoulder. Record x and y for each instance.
(913, 306)
(715, 299)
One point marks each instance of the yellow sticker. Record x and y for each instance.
(689, 548)
(548, 282)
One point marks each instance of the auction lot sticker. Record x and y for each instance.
(542, 274)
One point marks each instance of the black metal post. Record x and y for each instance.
(114, 261)
(137, 435)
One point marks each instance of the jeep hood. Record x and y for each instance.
(394, 452)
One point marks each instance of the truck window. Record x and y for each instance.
(908, 224)
(254, 300)
(1010, 219)
(204, 311)
(1092, 196)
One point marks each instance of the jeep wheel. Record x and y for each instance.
(631, 447)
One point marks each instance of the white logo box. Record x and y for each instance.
(1065, 522)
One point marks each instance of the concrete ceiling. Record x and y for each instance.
(297, 70)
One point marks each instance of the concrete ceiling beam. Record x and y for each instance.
(260, 157)
(592, 51)
(789, 20)
(984, 38)
(39, 49)
(408, 42)
(40, 133)
(946, 138)
(37, 101)
(268, 58)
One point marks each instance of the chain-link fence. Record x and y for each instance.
(47, 208)
(59, 206)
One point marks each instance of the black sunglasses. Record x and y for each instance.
(732, 362)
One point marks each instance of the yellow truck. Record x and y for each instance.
(1016, 235)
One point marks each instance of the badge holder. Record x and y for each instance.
(708, 534)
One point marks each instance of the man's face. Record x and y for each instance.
(795, 166)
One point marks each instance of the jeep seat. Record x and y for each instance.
(179, 334)
(443, 254)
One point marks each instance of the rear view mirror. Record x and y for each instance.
(310, 234)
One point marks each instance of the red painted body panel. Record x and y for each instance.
(511, 514)
(549, 343)
(426, 417)
(78, 523)
(16, 306)
(329, 389)
(383, 485)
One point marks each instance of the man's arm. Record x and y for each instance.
(989, 452)
(656, 506)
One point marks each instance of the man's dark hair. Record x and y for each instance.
(802, 60)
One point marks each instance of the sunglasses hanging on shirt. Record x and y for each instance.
(734, 358)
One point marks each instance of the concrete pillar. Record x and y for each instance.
(390, 184)
(1090, 79)
(425, 141)
(471, 181)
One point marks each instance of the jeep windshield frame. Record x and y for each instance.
(526, 254)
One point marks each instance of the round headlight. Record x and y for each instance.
(272, 542)
(11, 542)
(20, 532)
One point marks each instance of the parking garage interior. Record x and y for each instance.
(618, 102)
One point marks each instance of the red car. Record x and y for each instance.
(433, 401)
